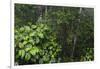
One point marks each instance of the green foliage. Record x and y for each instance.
(89, 55)
(35, 43)
(52, 34)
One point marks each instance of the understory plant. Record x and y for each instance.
(35, 44)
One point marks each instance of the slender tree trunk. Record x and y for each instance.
(75, 34)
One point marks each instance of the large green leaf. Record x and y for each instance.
(33, 33)
(34, 26)
(25, 42)
(31, 40)
(26, 37)
(21, 53)
(27, 28)
(37, 40)
(41, 35)
(22, 29)
(21, 45)
(27, 56)
(28, 47)
(34, 50)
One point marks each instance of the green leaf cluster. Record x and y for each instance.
(35, 44)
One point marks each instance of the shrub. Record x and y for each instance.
(35, 44)
(88, 56)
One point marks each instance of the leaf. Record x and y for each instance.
(33, 26)
(38, 29)
(28, 46)
(21, 53)
(25, 42)
(16, 37)
(32, 41)
(20, 35)
(26, 38)
(51, 52)
(21, 45)
(27, 56)
(16, 31)
(42, 25)
(46, 28)
(27, 28)
(34, 50)
(52, 60)
(41, 35)
(44, 58)
(50, 47)
(52, 56)
(37, 56)
(21, 29)
(40, 61)
(37, 40)
(27, 49)
(33, 34)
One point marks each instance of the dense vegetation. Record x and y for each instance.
(53, 34)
